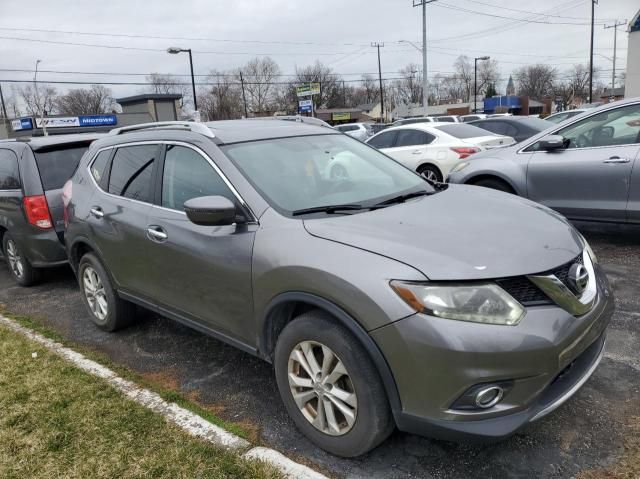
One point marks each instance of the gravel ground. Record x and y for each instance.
(586, 433)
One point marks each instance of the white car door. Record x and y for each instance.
(413, 148)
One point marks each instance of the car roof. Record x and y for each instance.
(43, 142)
(236, 131)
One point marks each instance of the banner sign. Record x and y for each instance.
(307, 89)
(304, 109)
(304, 103)
(22, 124)
(70, 121)
(340, 116)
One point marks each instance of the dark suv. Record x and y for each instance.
(32, 174)
(381, 300)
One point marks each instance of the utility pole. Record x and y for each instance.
(593, 11)
(344, 94)
(4, 110)
(425, 78)
(615, 26)
(378, 45)
(244, 98)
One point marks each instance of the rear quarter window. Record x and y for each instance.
(9, 172)
(57, 165)
(462, 131)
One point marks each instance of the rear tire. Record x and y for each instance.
(430, 173)
(107, 310)
(342, 407)
(19, 266)
(495, 184)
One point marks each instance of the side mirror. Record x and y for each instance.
(210, 211)
(552, 143)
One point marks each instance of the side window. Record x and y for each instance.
(620, 126)
(9, 173)
(188, 175)
(413, 138)
(100, 164)
(131, 171)
(383, 140)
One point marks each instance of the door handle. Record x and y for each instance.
(156, 233)
(417, 152)
(97, 212)
(617, 159)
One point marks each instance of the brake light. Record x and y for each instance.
(67, 191)
(465, 151)
(37, 211)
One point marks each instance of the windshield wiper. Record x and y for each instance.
(402, 198)
(329, 209)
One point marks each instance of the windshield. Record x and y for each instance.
(462, 131)
(314, 171)
(57, 166)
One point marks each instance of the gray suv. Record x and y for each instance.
(32, 173)
(382, 301)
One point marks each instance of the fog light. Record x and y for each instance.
(489, 396)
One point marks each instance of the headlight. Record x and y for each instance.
(460, 166)
(479, 303)
(589, 250)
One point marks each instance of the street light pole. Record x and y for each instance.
(378, 45)
(593, 10)
(425, 78)
(174, 51)
(475, 81)
(35, 86)
(615, 26)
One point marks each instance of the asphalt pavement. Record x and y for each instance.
(587, 432)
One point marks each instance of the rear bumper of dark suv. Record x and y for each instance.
(43, 249)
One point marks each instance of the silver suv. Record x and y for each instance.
(381, 300)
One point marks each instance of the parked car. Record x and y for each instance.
(517, 127)
(381, 301)
(32, 173)
(359, 131)
(583, 167)
(410, 121)
(564, 115)
(432, 149)
(378, 127)
(297, 118)
(447, 119)
(472, 117)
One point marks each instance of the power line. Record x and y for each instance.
(501, 7)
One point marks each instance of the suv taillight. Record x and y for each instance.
(67, 191)
(37, 211)
(464, 152)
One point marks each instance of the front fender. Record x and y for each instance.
(509, 171)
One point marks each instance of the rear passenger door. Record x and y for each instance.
(118, 216)
(200, 273)
(413, 147)
(10, 190)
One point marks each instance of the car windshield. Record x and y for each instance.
(462, 131)
(57, 165)
(298, 173)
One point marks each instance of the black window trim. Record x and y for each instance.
(399, 131)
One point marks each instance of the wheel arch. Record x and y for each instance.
(285, 307)
(492, 176)
(78, 249)
(433, 165)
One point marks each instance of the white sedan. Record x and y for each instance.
(432, 149)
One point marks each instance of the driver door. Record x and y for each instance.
(589, 180)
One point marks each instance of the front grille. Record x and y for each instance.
(527, 293)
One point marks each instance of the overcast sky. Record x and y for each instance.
(226, 34)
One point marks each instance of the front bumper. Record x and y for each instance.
(548, 356)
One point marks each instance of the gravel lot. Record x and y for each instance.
(586, 433)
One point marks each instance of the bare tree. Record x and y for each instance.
(260, 77)
(81, 101)
(536, 81)
(223, 100)
(488, 75)
(38, 100)
(166, 84)
(409, 88)
(463, 77)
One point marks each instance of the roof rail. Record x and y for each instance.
(166, 125)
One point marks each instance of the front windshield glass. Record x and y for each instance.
(315, 171)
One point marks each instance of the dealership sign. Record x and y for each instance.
(22, 124)
(71, 121)
(307, 89)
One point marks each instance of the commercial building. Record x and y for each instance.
(632, 82)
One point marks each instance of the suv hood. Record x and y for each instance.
(462, 233)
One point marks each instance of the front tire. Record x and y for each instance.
(107, 310)
(21, 269)
(330, 386)
(430, 173)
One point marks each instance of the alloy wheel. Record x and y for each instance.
(95, 293)
(430, 175)
(15, 260)
(322, 388)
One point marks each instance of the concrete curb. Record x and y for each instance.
(188, 421)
